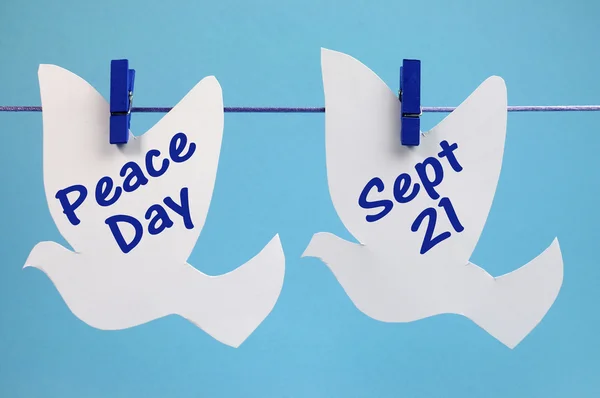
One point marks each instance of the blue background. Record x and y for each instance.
(272, 179)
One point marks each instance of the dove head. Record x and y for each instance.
(333, 250)
(53, 259)
(319, 244)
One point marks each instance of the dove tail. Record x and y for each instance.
(520, 299)
(231, 306)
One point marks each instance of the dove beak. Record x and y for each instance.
(34, 258)
(310, 248)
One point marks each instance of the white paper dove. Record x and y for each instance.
(418, 212)
(133, 213)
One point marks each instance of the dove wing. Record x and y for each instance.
(76, 150)
(478, 127)
(362, 124)
(199, 115)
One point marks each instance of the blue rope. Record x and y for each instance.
(245, 109)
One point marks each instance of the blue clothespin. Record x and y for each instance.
(121, 100)
(410, 102)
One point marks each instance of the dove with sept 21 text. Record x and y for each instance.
(133, 213)
(418, 212)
